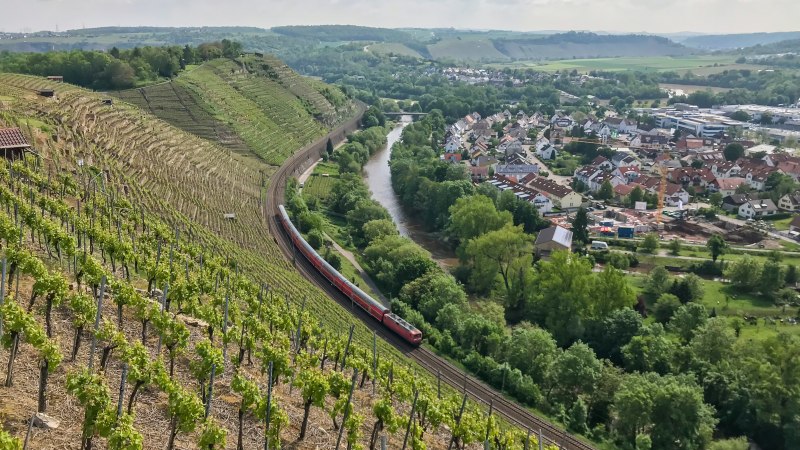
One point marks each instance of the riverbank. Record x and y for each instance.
(378, 177)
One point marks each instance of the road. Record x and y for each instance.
(431, 362)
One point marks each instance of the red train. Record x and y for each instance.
(374, 308)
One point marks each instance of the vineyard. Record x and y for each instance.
(180, 107)
(119, 261)
(252, 105)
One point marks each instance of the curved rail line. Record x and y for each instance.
(433, 363)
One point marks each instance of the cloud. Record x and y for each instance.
(709, 16)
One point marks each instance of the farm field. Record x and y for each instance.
(644, 64)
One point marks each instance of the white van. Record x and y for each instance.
(599, 245)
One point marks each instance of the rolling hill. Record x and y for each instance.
(733, 41)
(588, 45)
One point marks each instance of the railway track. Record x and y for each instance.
(449, 373)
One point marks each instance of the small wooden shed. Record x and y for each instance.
(13, 143)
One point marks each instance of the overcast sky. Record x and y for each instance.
(655, 16)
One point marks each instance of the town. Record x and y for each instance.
(636, 176)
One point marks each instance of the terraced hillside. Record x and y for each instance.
(181, 107)
(254, 103)
(189, 182)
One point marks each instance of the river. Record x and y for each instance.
(379, 180)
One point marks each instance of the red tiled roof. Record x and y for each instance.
(12, 138)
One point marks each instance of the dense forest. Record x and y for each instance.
(116, 69)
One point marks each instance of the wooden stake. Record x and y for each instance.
(97, 321)
(347, 408)
(410, 419)
(123, 377)
(347, 346)
(269, 404)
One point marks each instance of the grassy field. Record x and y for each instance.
(644, 64)
(726, 301)
(319, 186)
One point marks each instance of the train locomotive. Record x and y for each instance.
(374, 308)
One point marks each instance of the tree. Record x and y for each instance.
(329, 147)
(606, 191)
(475, 215)
(562, 292)
(675, 247)
(580, 227)
(715, 199)
(745, 273)
(574, 372)
(650, 243)
(531, 350)
(791, 277)
(610, 292)
(772, 277)
(687, 319)
(651, 350)
(665, 307)
(741, 116)
(376, 229)
(733, 151)
(636, 195)
(506, 252)
(431, 292)
(717, 246)
(657, 283)
(316, 238)
(607, 337)
(713, 342)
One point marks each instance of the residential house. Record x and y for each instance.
(675, 195)
(620, 125)
(650, 142)
(757, 179)
(557, 134)
(625, 159)
(597, 181)
(791, 168)
(756, 209)
(516, 171)
(603, 163)
(562, 196)
(790, 202)
(628, 174)
(726, 169)
(452, 157)
(542, 203)
(547, 152)
(452, 144)
(552, 239)
(511, 147)
(734, 201)
(726, 186)
(622, 191)
(773, 159)
(479, 174)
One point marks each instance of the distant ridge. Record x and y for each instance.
(733, 41)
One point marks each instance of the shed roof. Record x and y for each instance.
(12, 138)
(555, 234)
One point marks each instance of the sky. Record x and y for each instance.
(652, 16)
